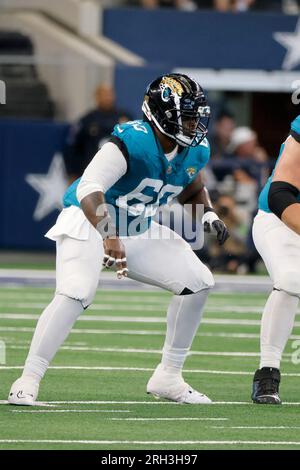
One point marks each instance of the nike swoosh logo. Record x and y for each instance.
(19, 395)
(120, 130)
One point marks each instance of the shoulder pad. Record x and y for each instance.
(131, 129)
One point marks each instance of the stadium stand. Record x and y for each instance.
(28, 95)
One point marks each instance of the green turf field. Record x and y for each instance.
(94, 394)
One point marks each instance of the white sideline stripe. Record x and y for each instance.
(70, 411)
(125, 319)
(154, 351)
(147, 369)
(69, 441)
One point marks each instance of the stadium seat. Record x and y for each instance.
(27, 95)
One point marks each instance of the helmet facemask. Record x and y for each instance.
(189, 126)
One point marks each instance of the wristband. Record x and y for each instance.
(209, 216)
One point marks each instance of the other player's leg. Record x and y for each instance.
(280, 249)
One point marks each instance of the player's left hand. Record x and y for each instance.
(114, 253)
(212, 223)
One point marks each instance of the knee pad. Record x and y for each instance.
(289, 282)
(79, 289)
(203, 280)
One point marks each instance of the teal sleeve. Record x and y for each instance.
(295, 129)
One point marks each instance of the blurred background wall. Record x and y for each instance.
(73, 68)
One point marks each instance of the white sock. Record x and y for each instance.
(276, 327)
(53, 327)
(183, 319)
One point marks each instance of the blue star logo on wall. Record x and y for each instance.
(291, 41)
(50, 186)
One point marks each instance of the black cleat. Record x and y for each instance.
(266, 386)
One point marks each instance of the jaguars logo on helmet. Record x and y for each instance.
(177, 106)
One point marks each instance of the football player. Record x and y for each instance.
(107, 218)
(276, 231)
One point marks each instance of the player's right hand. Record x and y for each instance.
(114, 253)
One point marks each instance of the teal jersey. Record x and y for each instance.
(263, 197)
(150, 181)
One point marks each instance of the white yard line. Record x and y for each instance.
(255, 427)
(93, 331)
(17, 342)
(146, 369)
(169, 419)
(151, 351)
(127, 319)
(134, 442)
(20, 329)
(33, 297)
(137, 402)
(70, 411)
(36, 298)
(120, 419)
(145, 306)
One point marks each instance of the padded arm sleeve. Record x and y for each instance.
(106, 168)
(281, 195)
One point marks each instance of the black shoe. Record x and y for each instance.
(266, 386)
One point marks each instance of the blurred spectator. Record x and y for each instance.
(291, 7)
(91, 131)
(244, 144)
(286, 6)
(248, 156)
(187, 5)
(232, 256)
(223, 127)
(233, 5)
(275, 5)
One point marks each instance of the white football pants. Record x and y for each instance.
(164, 260)
(279, 248)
